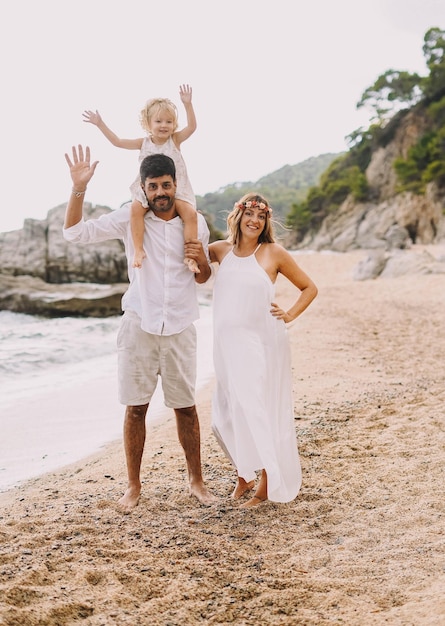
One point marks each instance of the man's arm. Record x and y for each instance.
(205, 270)
(198, 249)
(194, 249)
(81, 172)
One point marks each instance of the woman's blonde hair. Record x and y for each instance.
(234, 218)
(153, 107)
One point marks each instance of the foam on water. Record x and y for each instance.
(58, 397)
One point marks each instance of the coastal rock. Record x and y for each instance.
(380, 263)
(42, 274)
(365, 225)
(371, 266)
(390, 219)
(402, 263)
(31, 295)
(39, 250)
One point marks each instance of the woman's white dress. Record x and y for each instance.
(252, 415)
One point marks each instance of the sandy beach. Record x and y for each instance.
(363, 544)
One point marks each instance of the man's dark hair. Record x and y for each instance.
(156, 165)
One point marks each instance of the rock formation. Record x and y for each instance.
(40, 250)
(394, 263)
(42, 274)
(31, 295)
(392, 220)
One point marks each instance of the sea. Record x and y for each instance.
(58, 390)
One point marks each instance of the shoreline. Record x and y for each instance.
(165, 418)
(74, 413)
(362, 544)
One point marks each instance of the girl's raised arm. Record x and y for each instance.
(94, 117)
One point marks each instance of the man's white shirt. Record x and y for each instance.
(163, 291)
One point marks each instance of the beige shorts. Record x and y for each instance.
(143, 357)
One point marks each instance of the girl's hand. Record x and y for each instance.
(185, 93)
(279, 313)
(92, 117)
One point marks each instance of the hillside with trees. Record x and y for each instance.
(393, 175)
(283, 188)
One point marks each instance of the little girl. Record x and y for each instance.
(159, 118)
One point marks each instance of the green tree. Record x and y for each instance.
(342, 178)
(434, 53)
(395, 90)
(392, 91)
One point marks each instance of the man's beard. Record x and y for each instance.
(161, 209)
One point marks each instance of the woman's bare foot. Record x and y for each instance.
(254, 501)
(242, 487)
(260, 494)
(130, 499)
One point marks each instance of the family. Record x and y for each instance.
(168, 252)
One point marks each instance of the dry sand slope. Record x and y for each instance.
(363, 544)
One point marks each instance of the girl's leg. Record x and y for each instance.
(137, 230)
(189, 216)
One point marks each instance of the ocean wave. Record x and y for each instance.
(31, 344)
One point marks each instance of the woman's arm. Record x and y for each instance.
(287, 266)
(218, 250)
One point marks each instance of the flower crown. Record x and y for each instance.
(253, 204)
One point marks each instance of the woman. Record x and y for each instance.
(252, 406)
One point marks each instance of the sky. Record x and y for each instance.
(274, 83)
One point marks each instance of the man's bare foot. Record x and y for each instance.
(130, 499)
(255, 501)
(202, 494)
(242, 487)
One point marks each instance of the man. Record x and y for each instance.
(157, 335)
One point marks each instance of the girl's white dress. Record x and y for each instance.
(252, 415)
(184, 189)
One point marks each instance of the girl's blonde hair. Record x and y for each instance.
(153, 107)
(234, 219)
